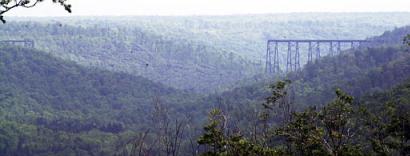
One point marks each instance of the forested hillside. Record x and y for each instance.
(247, 34)
(51, 106)
(303, 116)
(377, 124)
(197, 53)
(107, 89)
(176, 62)
(360, 71)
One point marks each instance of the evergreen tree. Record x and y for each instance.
(214, 137)
(304, 134)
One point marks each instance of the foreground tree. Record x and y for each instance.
(214, 137)
(277, 110)
(388, 131)
(407, 40)
(168, 134)
(7, 5)
(338, 123)
(329, 131)
(341, 128)
(219, 143)
(303, 134)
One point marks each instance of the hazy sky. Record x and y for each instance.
(212, 7)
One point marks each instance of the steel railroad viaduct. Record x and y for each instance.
(25, 43)
(333, 47)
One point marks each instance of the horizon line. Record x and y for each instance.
(198, 15)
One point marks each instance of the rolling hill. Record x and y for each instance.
(51, 105)
(196, 53)
(358, 72)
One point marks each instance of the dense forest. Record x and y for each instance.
(176, 62)
(123, 87)
(199, 53)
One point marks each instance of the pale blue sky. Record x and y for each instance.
(212, 7)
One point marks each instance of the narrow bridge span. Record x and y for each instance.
(293, 46)
(25, 43)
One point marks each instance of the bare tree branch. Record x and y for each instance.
(7, 5)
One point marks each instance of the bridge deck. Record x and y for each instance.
(25, 43)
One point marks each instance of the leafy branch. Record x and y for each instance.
(7, 5)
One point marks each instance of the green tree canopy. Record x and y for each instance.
(407, 40)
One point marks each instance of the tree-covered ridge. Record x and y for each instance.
(367, 69)
(247, 34)
(357, 72)
(396, 36)
(50, 106)
(176, 62)
(203, 53)
(371, 69)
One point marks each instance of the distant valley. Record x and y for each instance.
(203, 54)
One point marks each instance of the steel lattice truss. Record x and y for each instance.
(294, 50)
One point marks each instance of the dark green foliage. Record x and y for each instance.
(407, 40)
(337, 121)
(338, 129)
(279, 92)
(304, 134)
(242, 147)
(386, 120)
(214, 135)
(329, 131)
(219, 143)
